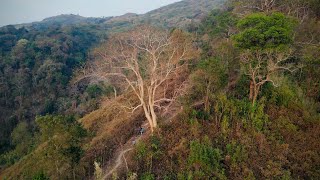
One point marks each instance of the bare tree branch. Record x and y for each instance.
(144, 58)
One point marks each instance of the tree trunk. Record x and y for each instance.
(255, 94)
(254, 99)
(154, 117)
(149, 118)
(206, 100)
(74, 173)
(251, 90)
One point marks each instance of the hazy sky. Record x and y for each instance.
(23, 11)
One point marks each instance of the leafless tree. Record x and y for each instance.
(144, 58)
(247, 6)
(296, 8)
(262, 66)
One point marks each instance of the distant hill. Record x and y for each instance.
(179, 14)
(64, 20)
(182, 13)
(72, 19)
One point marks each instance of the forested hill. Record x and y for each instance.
(37, 61)
(64, 19)
(180, 14)
(194, 90)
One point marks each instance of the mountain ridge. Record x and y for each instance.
(178, 14)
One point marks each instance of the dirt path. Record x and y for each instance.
(117, 162)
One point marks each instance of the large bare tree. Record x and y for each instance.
(144, 58)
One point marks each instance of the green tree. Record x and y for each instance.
(218, 23)
(265, 43)
(64, 137)
(204, 160)
(208, 79)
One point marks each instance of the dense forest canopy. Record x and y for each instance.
(234, 96)
(35, 68)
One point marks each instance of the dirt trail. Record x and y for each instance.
(119, 159)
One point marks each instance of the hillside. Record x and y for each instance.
(193, 90)
(37, 62)
(180, 14)
(64, 19)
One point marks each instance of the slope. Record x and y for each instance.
(180, 14)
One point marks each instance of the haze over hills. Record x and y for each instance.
(63, 19)
(182, 13)
(179, 14)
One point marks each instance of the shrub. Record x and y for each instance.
(236, 152)
(147, 176)
(204, 160)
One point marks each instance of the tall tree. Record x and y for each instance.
(145, 58)
(265, 42)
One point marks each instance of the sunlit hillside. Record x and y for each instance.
(205, 89)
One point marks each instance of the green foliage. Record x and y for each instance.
(23, 143)
(97, 90)
(281, 95)
(94, 91)
(64, 136)
(21, 134)
(146, 154)
(277, 138)
(258, 117)
(186, 176)
(155, 146)
(286, 176)
(284, 123)
(236, 152)
(241, 91)
(131, 176)
(218, 23)
(35, 69)
(9, 158)
(261, 31)
(49, 107)
(225, 126)
(141, 150)
(215, 70)
(147, 176)
(204, 160)
(210, 78)
(40, 176)
(230, 111)
(308, 77)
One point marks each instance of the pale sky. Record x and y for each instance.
(25, 11)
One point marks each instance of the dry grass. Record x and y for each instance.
(112, 126)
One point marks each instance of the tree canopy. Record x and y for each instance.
(261, 31)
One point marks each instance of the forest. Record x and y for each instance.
(233, 96)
